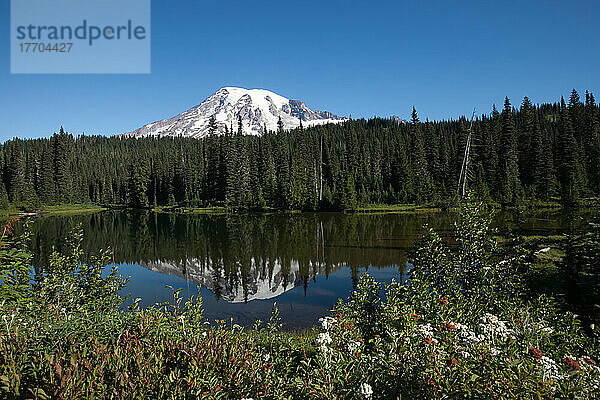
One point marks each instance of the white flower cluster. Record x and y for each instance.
(425, 330)
(353, 346)
(323, 339)
(327, 322)
(365, 391)
(549, 369)
(492, 327)
(466, 336)
(463, 353)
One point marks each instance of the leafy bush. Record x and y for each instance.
(464, 327)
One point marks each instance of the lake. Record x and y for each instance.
(241, 264)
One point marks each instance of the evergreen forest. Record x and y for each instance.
(521, 153)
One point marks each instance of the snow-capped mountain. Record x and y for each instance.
(398, 120)
(257, 107)
(262, 283)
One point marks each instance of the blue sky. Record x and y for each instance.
(354, 58)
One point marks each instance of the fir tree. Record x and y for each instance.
(567, 157)
(16, 173)
(592, 142)
(510, 186)
(529, 142)
(422, 180)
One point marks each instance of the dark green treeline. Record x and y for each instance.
(519, 153)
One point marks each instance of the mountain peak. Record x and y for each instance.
(257, 108)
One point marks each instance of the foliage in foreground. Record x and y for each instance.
(461, 327)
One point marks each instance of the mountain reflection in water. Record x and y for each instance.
(242, 263)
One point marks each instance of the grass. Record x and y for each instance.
(54, 210)
(190, 210)
(72, 209)
(397, 208)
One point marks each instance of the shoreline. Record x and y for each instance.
(68, 209)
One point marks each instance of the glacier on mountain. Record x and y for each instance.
(258, 109)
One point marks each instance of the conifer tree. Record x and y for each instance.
(298, 194)
(510, 186)
(592, 141)
(268, 178)
(422, 180)
(61, 148)
(243, 167)
(576, 115)
(16, 173)
(492, 148)
(212, 125)
(46, 187)
(283, 174)
(526, 137)
(402, 176)
(139, 179)
(567, 157)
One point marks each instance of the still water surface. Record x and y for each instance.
(242, 264)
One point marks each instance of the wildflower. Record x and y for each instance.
(425, 330)
(266, 357)
(327, 322)
(449, 326)
(464, 353)
(353, 346)
(458, 326)
(323, 339)
(430, 340)
(467, 336)
(571, 363)
(365, 390)
(444, 300)
(451, 362)
(535, 353)
(549, 369)
(204, 334)
(493, 327)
